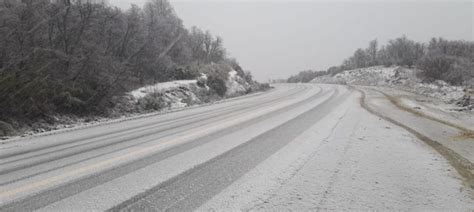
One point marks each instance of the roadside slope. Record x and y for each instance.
(98, 168)
(447, 139)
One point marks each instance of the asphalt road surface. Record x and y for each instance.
(296, 147)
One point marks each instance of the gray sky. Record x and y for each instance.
(275, 39)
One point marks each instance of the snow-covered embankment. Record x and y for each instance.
(459, 97)
(182, 93)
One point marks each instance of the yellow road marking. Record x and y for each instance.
(200, 132)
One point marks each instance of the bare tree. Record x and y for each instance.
(72, 56)
(372, 52)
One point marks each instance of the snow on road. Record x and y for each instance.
(447, 132)
(137, 139)
(339, 156)
(349, 160)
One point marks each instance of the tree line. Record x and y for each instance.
(438, 59)
(305, 76)
(74, 56)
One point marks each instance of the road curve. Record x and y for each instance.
(179, 160)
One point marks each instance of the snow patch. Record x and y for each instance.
(161, 87)
(377, 75)
(397, 77)
(236, 85)
(183, 93)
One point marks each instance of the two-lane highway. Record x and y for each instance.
(40, 171)
(296, 147)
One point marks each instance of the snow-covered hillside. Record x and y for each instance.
(159, 97)
(161, 87)
(182, 93)
(398, 77)
(377, 75)
(173, 94)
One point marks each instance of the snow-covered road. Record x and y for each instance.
(297, 147)
(352, 160)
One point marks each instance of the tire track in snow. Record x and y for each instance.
(340, 163)
(300, 166)
(463, 166)
(395, 101)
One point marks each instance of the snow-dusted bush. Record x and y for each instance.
(185, 73)
(440, 59)
(435, 65)
(202, 80)
(152, 101)
(5, 129)
(452, 69)
(217, 84)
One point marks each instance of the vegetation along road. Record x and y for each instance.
(298, 146)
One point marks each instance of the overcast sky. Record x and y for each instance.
(275, 39)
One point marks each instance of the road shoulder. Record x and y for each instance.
(351, 160)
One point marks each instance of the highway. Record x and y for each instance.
(263, 151)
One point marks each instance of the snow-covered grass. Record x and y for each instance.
(396, 77)
(236, 85)
(368, 76)
(430, 107)
(162, 97)
(347, 161)
(173, 94)
(377, 75)
(441, 90)
(161, 87)
(183, 93)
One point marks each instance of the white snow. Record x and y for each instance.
(348, 161)
(448, 136)
(441, 90)
(143, 179)
(432, 107)
(161, 87)
(235, 84)
(174, 94)
(397, 77)
(377, 75)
